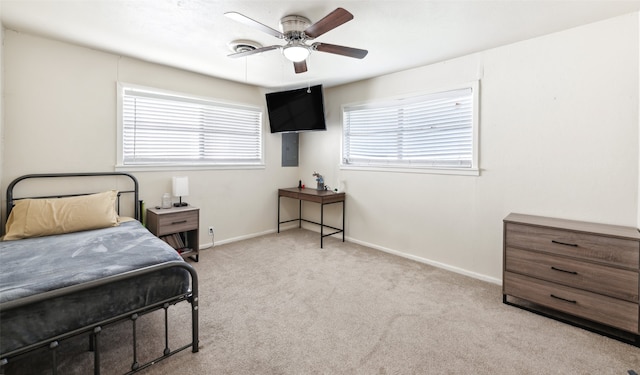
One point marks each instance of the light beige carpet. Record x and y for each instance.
(278, 304)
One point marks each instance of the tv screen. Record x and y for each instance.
(296, 110)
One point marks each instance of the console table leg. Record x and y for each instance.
(321, 224)
(278, 214)
(342, 221)
(300, 213)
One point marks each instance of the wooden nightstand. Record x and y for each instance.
(178, 226)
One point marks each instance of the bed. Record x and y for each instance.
(63, 282)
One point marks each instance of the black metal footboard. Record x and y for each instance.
(94, 329)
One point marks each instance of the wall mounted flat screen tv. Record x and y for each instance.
(296, 110)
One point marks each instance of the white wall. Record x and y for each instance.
(60, 107)
(558, 137)
(1, 101)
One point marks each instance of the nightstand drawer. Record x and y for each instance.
(596, 307)
(177, 222)
(596, 278)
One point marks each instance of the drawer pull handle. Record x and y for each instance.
(178, 222)
(564, 243)
(561, 270)
(563, 299)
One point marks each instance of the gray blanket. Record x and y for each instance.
(36, 265)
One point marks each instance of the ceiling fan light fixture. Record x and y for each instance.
(296, 52)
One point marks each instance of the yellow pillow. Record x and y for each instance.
(44, 217)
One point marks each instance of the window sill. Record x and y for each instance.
(184, 167)
(425, 170)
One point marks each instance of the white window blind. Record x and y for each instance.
(434, 130)
(165, 129)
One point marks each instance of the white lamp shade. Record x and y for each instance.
(296, 53)
(180, 186)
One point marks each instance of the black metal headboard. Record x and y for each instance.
(133, 190)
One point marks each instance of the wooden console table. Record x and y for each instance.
(323, 197)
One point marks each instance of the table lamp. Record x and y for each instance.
(180, 189)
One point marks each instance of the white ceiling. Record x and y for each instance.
(194, 34)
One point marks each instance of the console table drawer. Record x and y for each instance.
(288, 193)
(596, 278)
(596, 307)
(603, 249)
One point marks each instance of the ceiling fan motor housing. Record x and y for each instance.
(293, 27)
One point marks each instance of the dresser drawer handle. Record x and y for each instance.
(563, 299)
(561, 270)
(564, 243)
(178, 222)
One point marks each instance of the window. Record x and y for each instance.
(430, 131)
(159, 129)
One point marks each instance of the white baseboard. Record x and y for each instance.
(430, 262)
(236, 239)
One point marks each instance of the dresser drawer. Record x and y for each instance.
(603, 249)
(177, 222)
(596, 307)
(596, 278)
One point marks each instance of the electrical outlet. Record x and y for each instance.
(211, 231)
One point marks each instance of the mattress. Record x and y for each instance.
(36, 265)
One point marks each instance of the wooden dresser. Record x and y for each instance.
(565, 268)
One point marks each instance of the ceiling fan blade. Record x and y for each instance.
(253, 51)
(328, 23)
(300, 67)
(253, 23)
(340, 50)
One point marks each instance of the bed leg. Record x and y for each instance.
(54, 360)
(92, 343)
(194, 323)
(166, 329)
(96, 350)
(135, 364)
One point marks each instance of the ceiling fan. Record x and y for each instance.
(296, 31)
